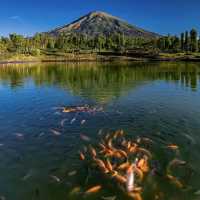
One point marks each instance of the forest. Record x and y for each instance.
(40, 43)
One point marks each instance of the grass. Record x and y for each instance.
(88, 56)
(179, 55)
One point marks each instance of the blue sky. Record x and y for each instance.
(163, 16)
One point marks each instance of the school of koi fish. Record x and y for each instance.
(85, 108)
(125, 161)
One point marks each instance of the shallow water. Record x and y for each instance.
(158, 100)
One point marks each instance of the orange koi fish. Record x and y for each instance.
(93, 189)
(143, 165)
(109, 165)
(68, 110)
(101, 165)
(120, 178)
(81, 156)
(124, 166)
(138, 172)
(110, 143)
(172, 146)
(135, 196)
(175, 181)
(122, 153)
(93, 151)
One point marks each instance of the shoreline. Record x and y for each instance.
(22, 59)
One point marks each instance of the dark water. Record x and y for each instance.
(161, 101)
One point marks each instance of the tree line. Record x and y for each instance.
(66, 42)
(41, 42)
(187, 42)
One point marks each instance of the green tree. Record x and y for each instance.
(161, 43)
(51, 43)
(199, 43)
(17, 42)
(186, 45)
(194, 40)
(182, 41)
(168, 42)
(176, 44)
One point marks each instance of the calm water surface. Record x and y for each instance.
(161, 101)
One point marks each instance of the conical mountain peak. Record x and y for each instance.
(101, 23)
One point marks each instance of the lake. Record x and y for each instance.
(160, 101)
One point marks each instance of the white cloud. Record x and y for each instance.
(16, 18)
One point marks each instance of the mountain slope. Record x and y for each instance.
(101, 23)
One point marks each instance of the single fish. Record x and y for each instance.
(190, 138)
(68, 110)
(145, 151)
(175, 181)
(145, 140)
(133, 148)
(41, 134)
(102, 146)
(101, 165)
(130, 179)
(124, 166)
(120, 133)
(57, 113)
(116, 154)
(100, 132)
(75, 190)
(143, 164)
(128, 144)
(122, 153)
(107, 136)
(120, 178)
(19, 135)
(172, 146)
(28, 175)
(93, 189)
(135, 195)
(55, 178)
(81, 156)
(110, 143)
(139, 172)
(85, 137)
(62, 123)
(73, 120)
(55, 132)
(83, 122)
(109, 165)
(175, 162)
(72, 173)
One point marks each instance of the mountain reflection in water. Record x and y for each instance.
(91, 78)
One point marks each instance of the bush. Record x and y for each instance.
(35, 52)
